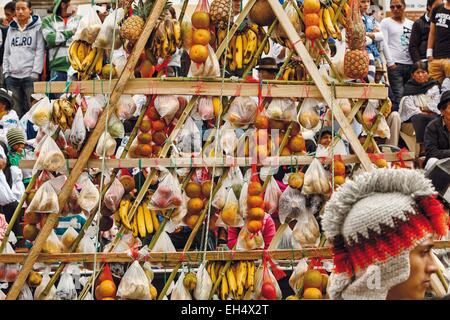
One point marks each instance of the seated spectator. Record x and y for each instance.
(17, 150)
(268, 232)
(8, 117)
(421, 97)
(437, 134)
(323, 137)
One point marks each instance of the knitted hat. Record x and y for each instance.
(15, 136)
(373, 223)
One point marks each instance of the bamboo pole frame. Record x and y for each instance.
(87, 150)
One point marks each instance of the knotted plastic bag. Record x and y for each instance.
(167, 106)
(42, 113)
(78, 130)
(87, 245)
(49, 157)
(89, 195)
(227, 139)
(126, 107)
(106, 34)
(134, 284)
(180, 292)
(9, 271)
(230, 216)
(25, 293)
(45, 200)
(286, 239)
(306, 232)
(316, 179)
(242, 112)
(210, 68)
(53, 244)
(66, 287)
(68, 238)
(114, 195)
(284, 109)
(266, 284)
(370, 113)
(205, 108)
(272, 196)
(189, 139)
(115, 127)
(204, 284)
(249, 241)
(291, 204)
(164, 244)
(89, 26)
(308, 116)
(106, 144)
(94, 109)
(296, 279)
(40, 288)
(383, 130)
(168, 194)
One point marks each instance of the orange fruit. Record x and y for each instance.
(158, 125)
(253, 226)
(159, 138)
(295, 128)
(254, 188)
(198, 53)
(339, 180)
(195, 205)
(312, 293)
(312, 32)
(201, 36)
(311, 19)
(191, 220)
(200, 19)
(261, 122)
(206, 188)
(311, 6)
(285, 152)
(145, 126)
(193, 190)
(255, 214)
(255, 201)
(144, 138)
(153, 114)
(145, 150)
(339, 168)
(313, 279)
(297, 143)
(106, 289)
(296, 180)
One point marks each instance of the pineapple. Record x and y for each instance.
(356, 59)
(220, 11)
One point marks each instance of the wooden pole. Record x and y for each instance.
(87, 150)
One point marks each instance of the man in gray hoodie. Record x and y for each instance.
(23, 58)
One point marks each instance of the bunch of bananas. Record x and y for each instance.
(238, 281)
(242, 46)
(165, 39)
(327, 24)
(295, 70)
(144, 222)
(85, 59)
(63, 113)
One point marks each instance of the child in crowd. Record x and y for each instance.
(17, 150)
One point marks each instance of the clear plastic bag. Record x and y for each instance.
(370, 113)
(53, 244)
(243, 199)
(284, 109)
(114, 195)
(68, 238)
(49, 157)
(228, 139)
(220, 197)
(3, 286)
(25, 293)
(164, 244)
(286, 239)
(89, 26)
(272, 196)
(383, 130)
(42, 113)
(236, 180)
(45, 200)
(106, 144)
(205, 108)
(167, 106)
(210, 68)
(40, 288)
(78, 130)
(89, 196)
(306, 232)
(266, 285)
(296, 278)
(134, 284)
(93, 111)
(309, 116)
(180, 292)
(115, 127)
(66, 287)
(316, 179)
(291, 204)
(9, 271)
(106, 35)
(168, 194)
(126, 107)
(230, 216)
(189, 139)
(204, 284)
(249, 241)
(242, 112)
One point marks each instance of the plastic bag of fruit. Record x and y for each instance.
(210, 68)
(25, 293)
(284, 109)
(42, 113)
(204, 284)
(286, 239)
(168, 194)
(164, 243)
(249, 241)
(220, 197)
(66, 287)
(228, 140)
(180, 292)
(306, 232)
(316, 179)
(309, 116)
(383, 130)
(242, 112)
(266, 285)
(106, 145)
(40, 288)
(115, 127)
(272, 196)
(291, 204)
(205, 108)
(106, 35)
(370, 113)
(167, 106)
(93, 111)
(53, 244)
(49, 157)
(45, 200)
(87, 245)
(89, 194)
(134, 284)
(68, 238)
(189, 140)
(230, 215)
(78, 130)
(9, 271)
(89, 26)
(114, 195)
(296, 278)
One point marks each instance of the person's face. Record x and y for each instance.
(422, 266)
(23, 12)
(420, 76)
(364, 5)
(397, 9)
(9, 15)
(325, 140)
(66, 9)
(18, 147)
(266, 74)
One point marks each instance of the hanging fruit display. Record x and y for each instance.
(201, 35)
(85, 59)
(295, 70)
(165, 39)
(221, 12)
(311, 11)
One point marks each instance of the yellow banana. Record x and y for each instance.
(73, 58)
(254, 27)
(117, 217)
(213, 272)
(224, 289)
(328, 23)
(323, 31)
(99, 65)
(123, 212)
(135, 227)
(81, 51)
(155, 219)
(231, 280)
(221, 35)
(147, 218)
(241, 277)
(252, 44)
(141, 222)
(89, 59)
(238, 53)
(250, 275)
(177, 33)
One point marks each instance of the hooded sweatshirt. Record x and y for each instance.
(24, 50)
(58, 35)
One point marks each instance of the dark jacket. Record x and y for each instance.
(418, 39)
(437, 140)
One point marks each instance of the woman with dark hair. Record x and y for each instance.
(421, 97)
(58, 30)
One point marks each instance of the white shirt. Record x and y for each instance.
(396, 38)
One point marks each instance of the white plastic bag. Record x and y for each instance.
(3, 286)
(210, 68)
(308, 116)
(370, 113)
(53, 244)
(228, 139)
(115, 127)
(106, 35)
(89, 26)
(205, 108)
(316, 179)
(242, 112)
(94, 109)
(114, 195)
(272, 196)
(296, 278)
(42, 113)
(40, 288)
(284, 109)
(49, 157)
(249, 241)
(286, 239)
(189, 139)
(383, 130)
(263, 276)
(9, 271)
(291, 204)
(164, 244)
(45, 200)
(230, 215)
(306, 232)
(168, 194)
(167, 106)
(89, 196)
(106, 144)
(126, 107)
(78, 130)
(134, 284)
(66, 287)
(180, 292)
(68, 238)
(221, 195)
(6, 194)
(204, 284)
(25, 293)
